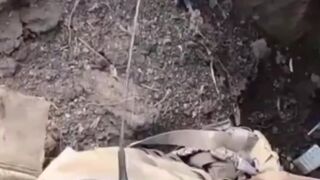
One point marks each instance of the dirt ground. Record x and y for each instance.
(189, 70)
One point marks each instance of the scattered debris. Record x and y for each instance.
(309, 161)
(196, 21)
(168, 92)
(8, 67)
(94, 51)
(22, 53)
(280, 59)
(150, 88)
(214, 78)
(279, 104)
(260, 49)
(76, 3)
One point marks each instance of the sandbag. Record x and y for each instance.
(22, 134)
(102, 164)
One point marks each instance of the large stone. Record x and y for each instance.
(41, 16)
(260, 49)
(10, 31)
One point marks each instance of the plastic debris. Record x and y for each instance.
(309, 161)
(316, 127)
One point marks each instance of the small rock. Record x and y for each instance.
(291, 166)
(280, 59)
(156, 95)
(315, 79)
(240, 43)
(194, 114)
(260, 49)
(207, 107)
(101, 137)
(85, 50)
(67, 115)
(256, 17)
(50, 144)
(8, 67)
(22, 54)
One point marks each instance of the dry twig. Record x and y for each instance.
(121, 153)
(76, 3)
(291, 65)
(93, 50)
(163, 99)
(115, 103)
(214, 78)
(133, 33)
(150, 88)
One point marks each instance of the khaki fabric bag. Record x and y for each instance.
(22, 134)
(102, 164)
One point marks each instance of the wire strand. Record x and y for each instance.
(121, 153)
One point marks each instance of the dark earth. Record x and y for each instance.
(190, 69)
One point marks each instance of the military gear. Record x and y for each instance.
(185, 163)
(228, 153)
(22, 133)
(207, 155)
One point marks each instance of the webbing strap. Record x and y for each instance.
(201, 159)
(235, 139)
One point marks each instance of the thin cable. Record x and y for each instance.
(121, 152)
